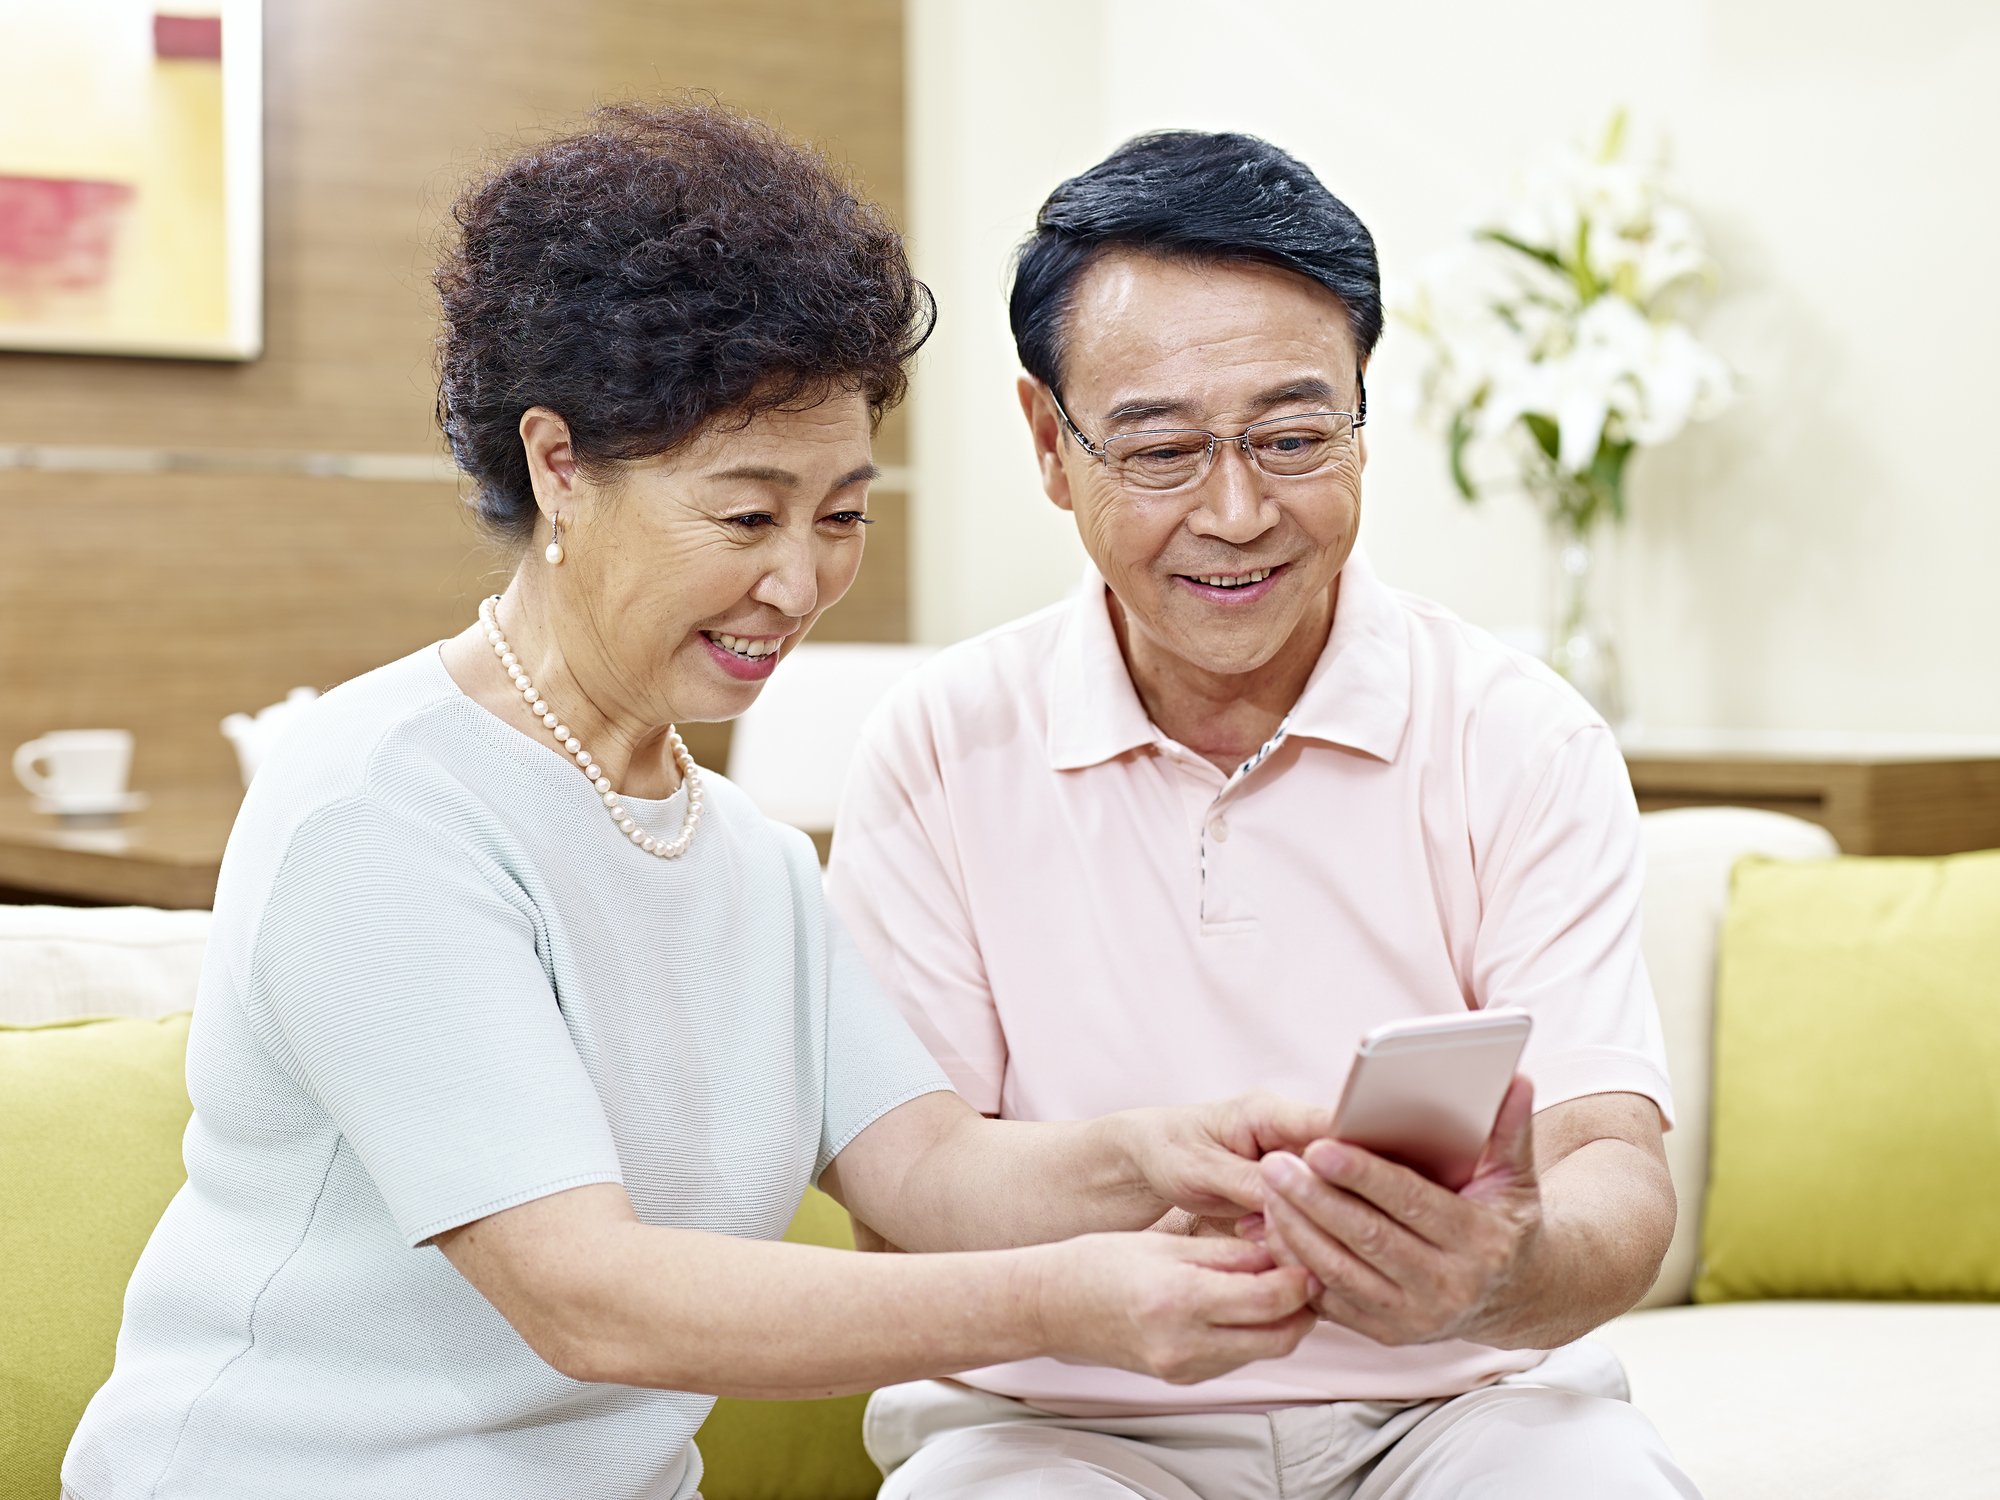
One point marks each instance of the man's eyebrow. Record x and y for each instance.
(785, 478)
(1154, 409)
(1126, 413)
(1311, 389)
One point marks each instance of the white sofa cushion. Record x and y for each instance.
(58, 963)
(1832, 1400)
(1689, 854)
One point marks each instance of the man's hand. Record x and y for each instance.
(1399, 1258)
(1203, 1158)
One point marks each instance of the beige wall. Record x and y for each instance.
(1820, 559)
(161, 601)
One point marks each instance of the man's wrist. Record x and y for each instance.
(1519, 1314)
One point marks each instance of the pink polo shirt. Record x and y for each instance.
(1079, 915)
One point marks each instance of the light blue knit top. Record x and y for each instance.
(439, 985)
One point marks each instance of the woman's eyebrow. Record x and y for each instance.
(772, 474)
(757, 474)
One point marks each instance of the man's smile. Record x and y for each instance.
(1239, 586)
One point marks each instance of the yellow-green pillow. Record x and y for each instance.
(791, 1450)
(1856, 1120)
(91, 1119)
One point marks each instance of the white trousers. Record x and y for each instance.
(1564, 1429)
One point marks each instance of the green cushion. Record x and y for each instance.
(791, 1450)
(91, 1118)
(1856, 1119)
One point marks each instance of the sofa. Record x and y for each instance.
(1760, 1399)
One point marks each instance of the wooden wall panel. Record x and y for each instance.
(161, 602)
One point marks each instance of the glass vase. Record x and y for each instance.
(1581, 647)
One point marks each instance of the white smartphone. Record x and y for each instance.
(1426, 1092)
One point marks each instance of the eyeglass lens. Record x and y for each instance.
(1286, 447)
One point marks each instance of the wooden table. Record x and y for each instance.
(1875, 797)
(1874, 794)
(167, 855)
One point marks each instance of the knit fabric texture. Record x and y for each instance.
(440, 985)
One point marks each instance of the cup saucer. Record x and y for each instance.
(94, 806)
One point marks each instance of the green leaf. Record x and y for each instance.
(1461, 434)
(1588, 287)
(1547, 257)
(1547, 438)
(1614, 136)
(1607, 475)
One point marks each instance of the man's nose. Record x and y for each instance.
(1233, 505)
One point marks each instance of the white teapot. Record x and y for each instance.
(253, 737)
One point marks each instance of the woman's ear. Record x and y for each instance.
(551, 460)
(1045, 432)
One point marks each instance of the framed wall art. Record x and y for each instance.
(131, 177)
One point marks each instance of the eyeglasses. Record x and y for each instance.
(1179, 458)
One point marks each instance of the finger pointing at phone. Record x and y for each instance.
(1400, 1258)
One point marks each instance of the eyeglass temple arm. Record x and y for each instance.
(1074, 431)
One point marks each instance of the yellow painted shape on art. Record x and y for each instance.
(88, 99)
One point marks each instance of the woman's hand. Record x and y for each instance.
(1183, 1310)
(1203, 1158)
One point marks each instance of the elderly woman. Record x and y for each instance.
(520, 1036)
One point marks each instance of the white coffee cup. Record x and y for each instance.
(77, 768)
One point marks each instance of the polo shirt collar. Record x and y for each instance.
(1094, 711)
(1358, 695)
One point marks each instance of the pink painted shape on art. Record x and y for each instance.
(187, 36)
(58, 233)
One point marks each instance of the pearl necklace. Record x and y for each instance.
(673, 848)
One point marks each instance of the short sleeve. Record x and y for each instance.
(873, 1060)
(1559, 929)
(894, 879)
(398, 981)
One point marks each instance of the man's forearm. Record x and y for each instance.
(934, 1175)
(1607, 1217)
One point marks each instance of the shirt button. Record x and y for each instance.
(1218, 829)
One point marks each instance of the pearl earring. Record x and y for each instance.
(554, 551)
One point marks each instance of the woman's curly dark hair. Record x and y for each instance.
(653, 273)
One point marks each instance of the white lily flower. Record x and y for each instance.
(1557, 308)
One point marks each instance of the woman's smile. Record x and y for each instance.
(746, 658)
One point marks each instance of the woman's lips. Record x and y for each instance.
(742, 668)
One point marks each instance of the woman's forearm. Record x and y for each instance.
(1038, 1182)
(680, 1310)
(963, 1181)
(602, 1297)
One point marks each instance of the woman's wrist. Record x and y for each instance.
(1035, 1287)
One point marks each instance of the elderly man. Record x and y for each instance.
(1230, 806)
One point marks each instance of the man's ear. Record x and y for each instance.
(1045, 431)
(551, 460)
